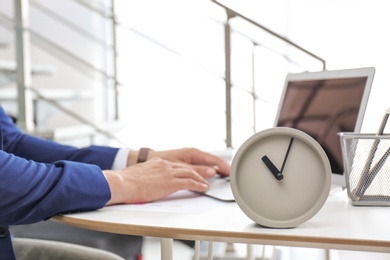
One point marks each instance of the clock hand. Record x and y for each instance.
(288, 151)
(278, 175)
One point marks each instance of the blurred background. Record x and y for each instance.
(174, 73)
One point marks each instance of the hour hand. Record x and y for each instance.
(278, 175)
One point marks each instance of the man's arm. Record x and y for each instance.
(31, 191)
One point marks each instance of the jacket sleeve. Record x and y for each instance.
(31, 191)
(42, 150)
(39, 178)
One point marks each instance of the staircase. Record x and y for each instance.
(41, 109)
(80, 94)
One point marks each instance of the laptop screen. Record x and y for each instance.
(322, 104)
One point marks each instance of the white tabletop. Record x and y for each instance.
(189, 216)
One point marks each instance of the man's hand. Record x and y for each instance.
(206, 164)
(157, 178)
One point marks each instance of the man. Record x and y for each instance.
(40, 178)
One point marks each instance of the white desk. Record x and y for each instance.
(338, 225)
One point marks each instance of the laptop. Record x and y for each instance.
(324, 103)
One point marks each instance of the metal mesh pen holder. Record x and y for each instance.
(367, 168)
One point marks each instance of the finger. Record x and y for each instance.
(207, 159)
(191, 184)
(186, 172)
(205, 171)
(222, 166)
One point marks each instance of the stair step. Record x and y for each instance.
(79, 131)
(10, 94)
(9, 66)
(65, 133)
(3, 44)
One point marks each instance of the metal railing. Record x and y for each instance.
(230, 13)
(23, 33)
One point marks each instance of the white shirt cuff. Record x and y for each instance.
(120, 161)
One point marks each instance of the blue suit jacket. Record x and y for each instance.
(40, 178)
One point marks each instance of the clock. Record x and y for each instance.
(280, 177)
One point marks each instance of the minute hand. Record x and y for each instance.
(287, 152)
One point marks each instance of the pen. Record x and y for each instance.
(368, 176)
(375, 170)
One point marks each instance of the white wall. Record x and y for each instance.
(348, 34)
(169, 102)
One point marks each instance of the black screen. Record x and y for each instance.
(322, 109)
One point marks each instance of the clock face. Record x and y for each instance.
(280, 177)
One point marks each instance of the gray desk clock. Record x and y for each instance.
(280, 177)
